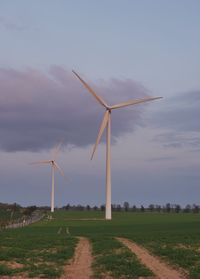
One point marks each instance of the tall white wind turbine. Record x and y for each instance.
(54, 167)
(106, 122)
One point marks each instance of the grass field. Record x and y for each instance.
(43, 248)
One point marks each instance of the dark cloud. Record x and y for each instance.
(38, 109)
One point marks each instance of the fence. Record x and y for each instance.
(25, 222)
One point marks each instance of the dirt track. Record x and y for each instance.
(158, 267)
(80, 266)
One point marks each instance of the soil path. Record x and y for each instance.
(80, 266)
(158, 267)
(15, 277)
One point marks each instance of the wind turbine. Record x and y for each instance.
(106, 122)
(54, 167)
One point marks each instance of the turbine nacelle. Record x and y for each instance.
(52, 162)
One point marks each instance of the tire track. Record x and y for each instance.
(159, 268)
(80, 265)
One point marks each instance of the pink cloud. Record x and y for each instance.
(37, 109)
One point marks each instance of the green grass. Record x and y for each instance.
(4, 270)
(113, 258)
(43, 252)
(161, 233)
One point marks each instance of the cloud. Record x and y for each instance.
(189, 140)
(180, 112)
(10, 25)
(161, 159)
(37, 109)
(179, 115)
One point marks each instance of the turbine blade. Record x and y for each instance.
(98, 98)
(102, 127)
(56, 150)
(134, 102)
(58, 168)
(41, 162)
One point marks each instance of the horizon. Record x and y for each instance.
(138, 206)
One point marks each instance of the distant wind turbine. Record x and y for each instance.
(54, 167)
(106, 122)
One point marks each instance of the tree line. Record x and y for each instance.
(18, 210)
(167, 208)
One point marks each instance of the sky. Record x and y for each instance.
(124, 50)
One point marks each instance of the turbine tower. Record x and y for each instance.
(106, 123)
(54, 167)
